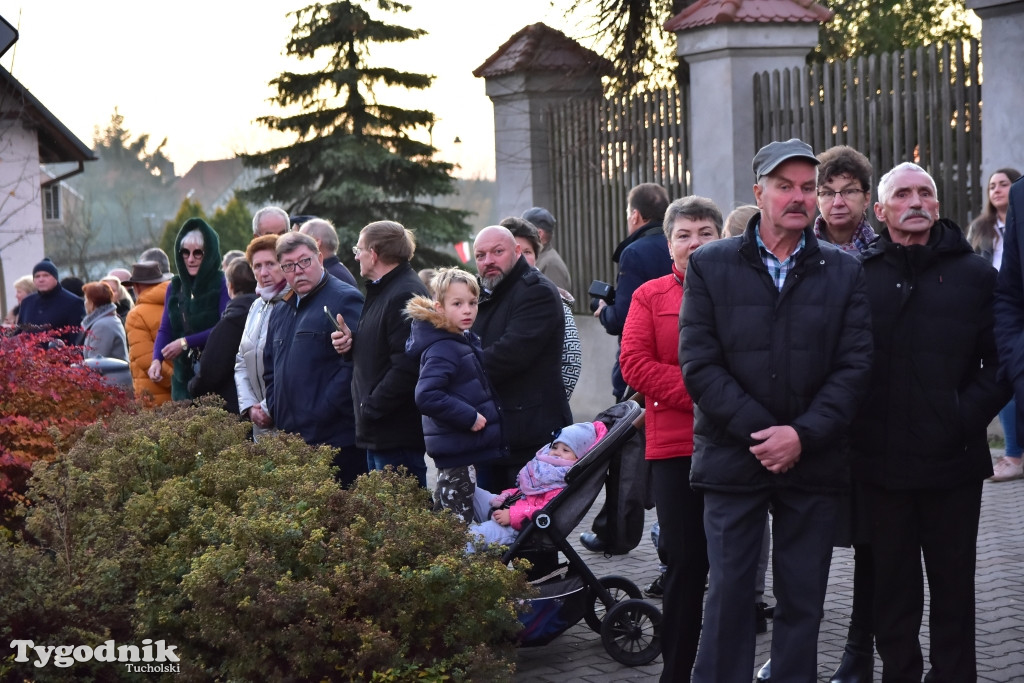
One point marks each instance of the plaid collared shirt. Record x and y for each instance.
(776, 268)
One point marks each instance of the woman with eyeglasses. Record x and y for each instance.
(195, 300)
(844, 195)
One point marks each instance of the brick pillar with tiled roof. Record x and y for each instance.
(725, 42)
(534, 69)
(1002, 49)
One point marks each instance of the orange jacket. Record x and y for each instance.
(141, 327)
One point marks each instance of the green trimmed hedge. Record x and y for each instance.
(248, 558)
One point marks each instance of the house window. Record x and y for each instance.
(51, 202)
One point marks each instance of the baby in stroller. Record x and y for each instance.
(501, 517)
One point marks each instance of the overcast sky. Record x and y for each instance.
(197, 72)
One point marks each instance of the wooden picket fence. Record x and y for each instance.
(921, 105)
(600, 149)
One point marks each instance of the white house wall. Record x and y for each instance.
(21, 214)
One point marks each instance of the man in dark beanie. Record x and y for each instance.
(51, 307)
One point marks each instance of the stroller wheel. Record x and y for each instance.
(620, 589)
(631, 632)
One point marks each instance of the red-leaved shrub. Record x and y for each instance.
(45, 402)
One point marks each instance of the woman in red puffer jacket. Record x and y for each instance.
(650, 365)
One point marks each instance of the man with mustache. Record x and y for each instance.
(521, 327)
(308, 384)
(775, 348)
(920, 452)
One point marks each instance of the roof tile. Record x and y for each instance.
(539, 47)
(709, 12)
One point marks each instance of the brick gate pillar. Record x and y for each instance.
(536, 68)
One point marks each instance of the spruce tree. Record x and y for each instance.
(354, 159)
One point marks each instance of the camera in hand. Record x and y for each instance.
(600, 291)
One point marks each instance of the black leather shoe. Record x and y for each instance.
(592, 542)
(655, 589)
(764, 674)
(855, 668)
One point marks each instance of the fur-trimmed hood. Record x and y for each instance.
(430, 326)
(422, 308)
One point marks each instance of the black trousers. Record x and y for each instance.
(803, 527)
(941, 525)
(684, 548)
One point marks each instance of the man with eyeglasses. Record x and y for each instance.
(308, 385)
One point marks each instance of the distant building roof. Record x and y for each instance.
(56, 143)
(708, 12)
(541, 48)
(210, 182)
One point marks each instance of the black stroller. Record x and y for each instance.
(629, 627)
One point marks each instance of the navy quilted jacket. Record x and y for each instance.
(452, 389)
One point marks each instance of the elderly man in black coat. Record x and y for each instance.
(521, 326)
(775, 347)
(920, 451)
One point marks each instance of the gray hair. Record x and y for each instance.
(695, 208)
(290, 241)
(885, 187)
(322, 230)
(267, 211)
(157, 255)
(193, 238)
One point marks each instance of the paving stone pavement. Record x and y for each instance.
(577, 655)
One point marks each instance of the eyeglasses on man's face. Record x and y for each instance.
(301, 264)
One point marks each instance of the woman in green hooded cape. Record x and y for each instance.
(195, 300)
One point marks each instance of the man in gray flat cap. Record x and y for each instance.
(549, 262)
(775, 346)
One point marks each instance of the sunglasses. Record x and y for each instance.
(195, 253)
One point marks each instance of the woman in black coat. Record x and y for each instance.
(217, 365)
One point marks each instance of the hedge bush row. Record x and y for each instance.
(247, 557)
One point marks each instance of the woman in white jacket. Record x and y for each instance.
(271, 288)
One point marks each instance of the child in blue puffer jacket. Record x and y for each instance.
(461, 418)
